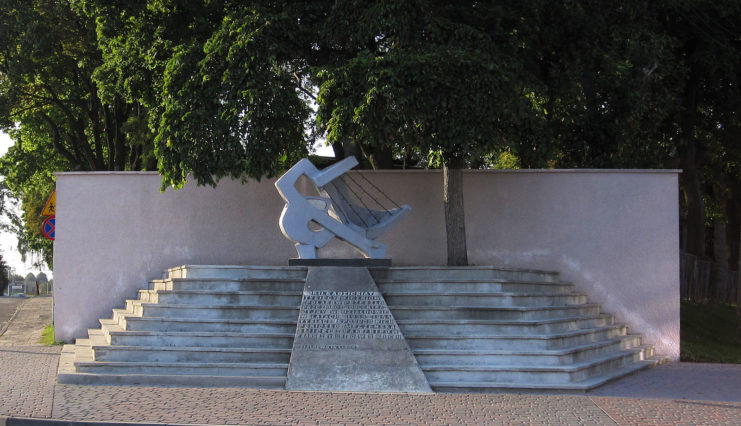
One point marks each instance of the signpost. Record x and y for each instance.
(47, 228)
(51, 205)
(50, 209)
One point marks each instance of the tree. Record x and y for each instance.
(4, 275)
(53, 108)
(233, 83)
(229, 86)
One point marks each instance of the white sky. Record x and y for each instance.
(8, 242)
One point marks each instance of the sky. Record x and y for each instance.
(8, 242)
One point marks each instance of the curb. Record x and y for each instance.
(27, 421)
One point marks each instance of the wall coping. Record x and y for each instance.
(499, 171)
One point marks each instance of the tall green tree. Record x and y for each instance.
(229, 87)
(233, 84)
(4, 275)
(53, 108)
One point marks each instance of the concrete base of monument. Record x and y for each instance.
(360, 263)
(348, 340)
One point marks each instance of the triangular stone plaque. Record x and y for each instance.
(348, 340)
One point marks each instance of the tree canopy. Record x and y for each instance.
(218, 88)
(231, 86)
(52, 106)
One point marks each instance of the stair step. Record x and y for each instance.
(263, 382)
(132, 323)
(191, 354)
(222, 284)
(467, 326)
(514, 342)
(547, 357)
(537, 387)
(221, 298)
(237, 272)
(198, 339)
(474, 286)
(212, 312)
(483, 299)
(434, 273)
(183, 368)
(575, 372)
(405, 312)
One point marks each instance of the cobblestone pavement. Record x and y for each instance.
(669, 394)
(693, 381)
(245, 406)
(8, 306)
(29, 322)
(28, 375)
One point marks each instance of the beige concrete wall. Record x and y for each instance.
(613, 233)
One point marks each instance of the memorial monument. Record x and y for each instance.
(335, 211)
(346, 337)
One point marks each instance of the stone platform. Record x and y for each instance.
(469, 329)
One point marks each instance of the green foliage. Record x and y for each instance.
(55, 111)
(231, 85)
(4, 281)
(47, 336)
(426, 77)
(502, 161)
(708, 333)
(241, 89)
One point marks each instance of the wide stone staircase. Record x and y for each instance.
(472, 329)
(200, 326)
(488, 330)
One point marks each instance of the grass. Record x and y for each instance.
(708, 333)
(47, 337)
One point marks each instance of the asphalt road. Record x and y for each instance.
(8, 306)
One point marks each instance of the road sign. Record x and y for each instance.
(51, 205)
(47, 228)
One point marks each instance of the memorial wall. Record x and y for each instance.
(614, 233)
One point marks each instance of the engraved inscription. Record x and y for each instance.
(345, 315)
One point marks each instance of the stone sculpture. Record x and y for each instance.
(335, 213)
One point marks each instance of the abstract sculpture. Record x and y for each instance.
(311, 222)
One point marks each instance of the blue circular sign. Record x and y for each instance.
(48, 227)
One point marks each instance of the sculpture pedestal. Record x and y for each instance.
(348, 340)
(360, 263)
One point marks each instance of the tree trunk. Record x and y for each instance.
(690, 160)
(719, 272)
(738, 299)
(733, 233)
(455, 225)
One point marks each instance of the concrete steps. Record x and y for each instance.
(220, 298)
(183, 368)
(472, 329)
(216, 325)
(190, 354)
(482, 299)
(498, 330)
(517, 313)
(197, 326)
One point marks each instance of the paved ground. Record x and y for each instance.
(669, 394)
(8, 307)
(29, 322)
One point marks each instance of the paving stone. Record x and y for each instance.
(694, 381)
(28, 323)
(633, 411)
(678, 393)
(27, 378)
